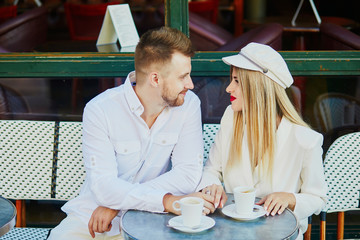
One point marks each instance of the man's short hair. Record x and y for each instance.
(157, 46)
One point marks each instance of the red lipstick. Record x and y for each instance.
(232, 98)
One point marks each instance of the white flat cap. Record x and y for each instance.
(262, 58)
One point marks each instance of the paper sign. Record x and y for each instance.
(118, 24)
(111, 47)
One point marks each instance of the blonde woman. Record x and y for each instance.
(263, 142)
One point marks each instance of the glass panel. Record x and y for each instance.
(49, 98)
(57, 27)
(214, 98)
(66, 97)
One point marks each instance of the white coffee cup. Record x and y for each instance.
(191, 210)
(244, 200)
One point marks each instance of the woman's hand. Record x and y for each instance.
(218, 193)
(277, 202)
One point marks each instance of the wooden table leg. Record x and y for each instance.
(21, 213)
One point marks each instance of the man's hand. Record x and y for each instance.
(208, 202)
(277, 202)
(100, 220)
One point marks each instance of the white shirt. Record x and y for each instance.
(128, 165)
(297, 166)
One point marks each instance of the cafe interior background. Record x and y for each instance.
(64, 98)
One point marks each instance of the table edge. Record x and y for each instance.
(7, 227)
(297, 225)
(126, 234)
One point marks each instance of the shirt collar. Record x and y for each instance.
(130, 95)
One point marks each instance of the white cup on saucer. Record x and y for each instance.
(191, 210)
(244, 200)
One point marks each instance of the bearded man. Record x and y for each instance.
(142, 142)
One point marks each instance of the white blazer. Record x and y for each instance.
(297, 167)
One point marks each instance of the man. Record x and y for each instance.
(142, 141)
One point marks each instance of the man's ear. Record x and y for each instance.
(154, 79)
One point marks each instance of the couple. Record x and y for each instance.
(143, 147)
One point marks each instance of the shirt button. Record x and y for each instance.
(125, 150)
(163, 141)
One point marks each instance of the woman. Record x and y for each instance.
(263, 142)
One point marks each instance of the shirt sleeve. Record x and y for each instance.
(111, 191)
(312, 196)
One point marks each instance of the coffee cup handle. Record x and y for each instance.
(175, 207)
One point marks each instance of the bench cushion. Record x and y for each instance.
(26, 234)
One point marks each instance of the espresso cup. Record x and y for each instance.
(244, 200)
(191, 210)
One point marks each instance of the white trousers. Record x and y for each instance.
(73, 228)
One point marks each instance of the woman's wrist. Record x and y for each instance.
(292, 202)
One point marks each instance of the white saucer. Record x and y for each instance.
(177, 223)
(229, 211)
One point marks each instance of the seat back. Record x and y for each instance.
(48, 158)
(26, 159)
(7, 12)
(70, 173)
(26, 31)
(336, 37)
(209, 133)
(85, 20)
(342, 173)
(205, 35)
(205, 8)
(332, 110)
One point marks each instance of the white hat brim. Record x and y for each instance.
(241, 62)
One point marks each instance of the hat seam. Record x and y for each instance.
(264, 69)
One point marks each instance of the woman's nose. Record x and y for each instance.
(229, 88)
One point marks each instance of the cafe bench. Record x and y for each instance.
(42, 160)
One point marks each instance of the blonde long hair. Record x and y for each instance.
(263, 101)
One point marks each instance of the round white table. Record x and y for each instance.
(147, 225)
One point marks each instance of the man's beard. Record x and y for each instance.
(178, 101)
